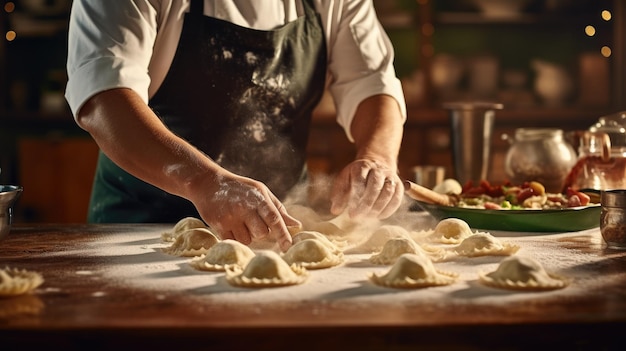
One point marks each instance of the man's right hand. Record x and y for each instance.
(244, 209)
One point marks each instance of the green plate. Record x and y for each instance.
(557, 220)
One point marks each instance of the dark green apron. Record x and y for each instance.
(242, 96)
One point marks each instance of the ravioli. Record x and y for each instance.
(451, 231)
(333, 245)
(394, 248)
(411, 271)
(266, 269)
(182, 226)
(484, 244)
(224, 254)
(192, 242)
(14, 282)
(522, 273)
(378, 238)
(313, 254)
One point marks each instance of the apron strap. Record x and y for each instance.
(309, 8)
(197, 7)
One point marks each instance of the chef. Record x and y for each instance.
(202, 108)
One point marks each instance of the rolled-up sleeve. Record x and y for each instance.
(109, 46)
(361, 60)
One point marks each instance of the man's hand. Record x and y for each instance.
(244, 209)
(367, 188)
(370, 186)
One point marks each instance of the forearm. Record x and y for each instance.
(129, 133)
(377, 129)
(369, 186)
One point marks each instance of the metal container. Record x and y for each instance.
(8, 195)
(613, 218)
(471, 130)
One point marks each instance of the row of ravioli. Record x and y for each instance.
(410, 255)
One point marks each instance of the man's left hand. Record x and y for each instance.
(367, 188)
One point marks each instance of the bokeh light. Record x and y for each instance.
(9, 7)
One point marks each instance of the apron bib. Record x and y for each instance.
(242, 96)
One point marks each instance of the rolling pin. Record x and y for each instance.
(420, 193)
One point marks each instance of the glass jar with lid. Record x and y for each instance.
(539, 154)
(601, 155)
(615, 127)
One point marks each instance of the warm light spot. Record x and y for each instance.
(428, 29)
(422, 2)
(606, 15)
(9, 7)
(605, 51)
(590, 31)
(10, 35)
(428, 50)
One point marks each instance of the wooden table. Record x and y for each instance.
(76, 314)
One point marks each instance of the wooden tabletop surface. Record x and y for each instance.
(75, 314)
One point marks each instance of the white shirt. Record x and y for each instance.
(131, 44)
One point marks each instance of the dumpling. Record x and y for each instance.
(412, 271)
(266, 269)
(15, 282)
(222, 255)
(522, 273)
(182, 226)
(378, 238)
(451, 231)
(484, 244)
(310, 234)
(394, 248)
(192, 242)
(313, 254)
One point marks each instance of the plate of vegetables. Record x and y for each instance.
(526, 208)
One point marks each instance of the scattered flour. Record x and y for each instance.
(136, 260)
